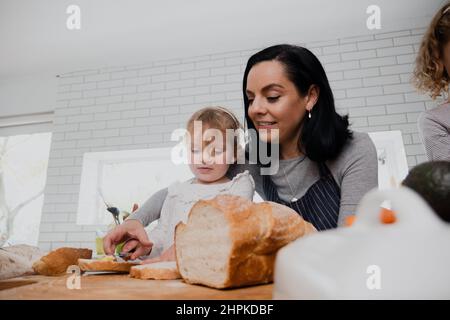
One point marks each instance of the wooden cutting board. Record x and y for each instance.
(121, 286)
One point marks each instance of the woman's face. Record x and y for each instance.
(274, 103)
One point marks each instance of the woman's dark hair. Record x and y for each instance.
(323, 135)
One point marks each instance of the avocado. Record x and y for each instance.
(431, 180)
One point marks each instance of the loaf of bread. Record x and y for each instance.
(164, 270)
(105, 265)
(230, 241)
(17, 260)
(57, 261)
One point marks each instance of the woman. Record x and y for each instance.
(324, 169)
(431, 75)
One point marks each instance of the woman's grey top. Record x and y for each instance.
(355, 170)
(434, 127)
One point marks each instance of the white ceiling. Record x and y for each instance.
(34, 38)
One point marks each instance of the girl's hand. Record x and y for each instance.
(168, 255)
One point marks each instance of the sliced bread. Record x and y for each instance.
(164, 270)
(105, 265)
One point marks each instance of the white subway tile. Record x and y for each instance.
(400, 41)
(384, 99)
(149, 121)
(209, 64)
(339, 48)
(91, 143)
(124, 74)
(84, 86)
(52, 236)
(133, 131)
(136, 81)
(395, 51)
(116, 141)
(195, 90)
(180, 67)
(135, 113)
(110, 84)
(81, 102)
(397, 69)
(387, 119)
(414, 149)
(137, 96)
(374, 44)
(108, 100)
(377, 62)
(364, 92)
(225, 70)
(97, 77)
(121, 106)
(382, 80)
(123, 123)
(178, 101)
(98, 125)
(398, 88)
(80, 118)
(81, 236)
(165, 77)
(195, 74)
(393, 34)
(151, 71)
(405, 107)
(54, 217)
(358, 55)
(106, 133)
(78, 135)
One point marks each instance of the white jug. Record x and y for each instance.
(409, 259)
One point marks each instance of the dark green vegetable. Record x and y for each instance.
(431, 180)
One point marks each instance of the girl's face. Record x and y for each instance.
(209, 162)
(275, 103)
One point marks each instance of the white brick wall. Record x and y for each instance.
(134, 107)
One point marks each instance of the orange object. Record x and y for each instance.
(349, 220)
(387, 216)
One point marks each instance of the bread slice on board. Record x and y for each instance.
(57, 261)
(164, 270)
(102, 265)
(229, 241)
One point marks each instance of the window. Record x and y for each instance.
(23, 172)
(124, 178)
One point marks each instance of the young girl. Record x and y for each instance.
(209, 161)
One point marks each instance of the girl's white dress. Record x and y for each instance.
(180, 199)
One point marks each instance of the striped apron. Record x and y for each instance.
(319, 205)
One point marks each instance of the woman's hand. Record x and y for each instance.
(131, 231)
(168, 255)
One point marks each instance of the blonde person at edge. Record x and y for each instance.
(209, 161)
(324, 167)
(432, 76)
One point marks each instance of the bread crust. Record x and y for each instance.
(257, 231)
(57, 261)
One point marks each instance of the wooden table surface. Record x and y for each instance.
(121, 286)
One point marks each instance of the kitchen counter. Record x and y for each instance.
(121, 286)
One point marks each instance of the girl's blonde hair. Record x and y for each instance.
(430, 75)
(218, 118)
